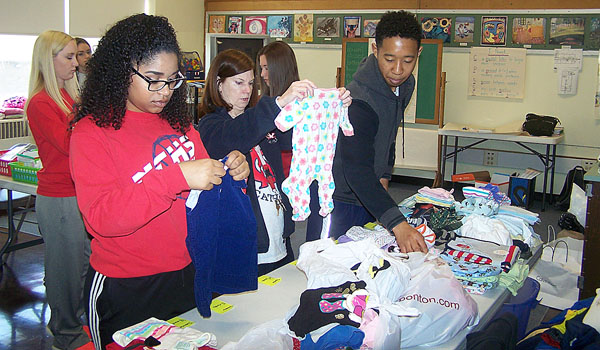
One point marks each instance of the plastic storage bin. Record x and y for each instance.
(4, 165)
(24, 173)
(521, 304)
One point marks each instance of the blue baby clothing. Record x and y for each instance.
(221, 241)
(339, 337)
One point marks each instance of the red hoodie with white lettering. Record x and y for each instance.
(131, 193)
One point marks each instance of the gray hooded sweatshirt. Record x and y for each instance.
(361, 160)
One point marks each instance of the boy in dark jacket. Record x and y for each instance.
(381, 89)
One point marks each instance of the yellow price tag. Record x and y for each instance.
(370, 225)
(180, 322)
(219, 306)
(269, 281)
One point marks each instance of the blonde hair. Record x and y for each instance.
(43, 76)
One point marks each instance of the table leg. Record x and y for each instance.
(11, 227)
(455, 154)
(9, 245)
(552, 174)
(443, 159)
(546, 167)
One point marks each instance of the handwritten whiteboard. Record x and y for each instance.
(496, 72)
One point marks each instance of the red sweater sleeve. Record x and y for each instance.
(50, 123)
(110, 205)
(50, 128)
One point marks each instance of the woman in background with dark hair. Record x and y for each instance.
(84, 52)
(277, 67)
(134, 158)
(236, 120)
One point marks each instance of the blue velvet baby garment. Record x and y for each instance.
(221, 241)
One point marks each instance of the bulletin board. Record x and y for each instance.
(429, 72)
(536, 29)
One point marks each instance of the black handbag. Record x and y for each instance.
(540, 125)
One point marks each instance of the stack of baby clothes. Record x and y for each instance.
(477, 264)
(436, 196)
(475, 278)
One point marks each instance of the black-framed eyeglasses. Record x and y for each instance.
(157, 85)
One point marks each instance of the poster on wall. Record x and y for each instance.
(567, 30)
(369, 26)
(328, 27)
(279, 26)
(303, 27)
(216, 24)
(496, 72)
(493, 30)
(256, 25)
(436, 28)
(234, 25)
(352, 27)
(594, 32)
(464, 28)
(529, 31)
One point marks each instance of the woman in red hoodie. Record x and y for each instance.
(52, 91)
(134, 158)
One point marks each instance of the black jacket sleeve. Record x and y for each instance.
(358, 159)
(222, 134)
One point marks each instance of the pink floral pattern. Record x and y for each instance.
(316, 121)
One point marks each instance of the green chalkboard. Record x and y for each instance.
(429, 73)
(353, 52)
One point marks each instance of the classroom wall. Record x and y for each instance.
(318, 65)
(576, 112)
(90, 18)
(187, 17)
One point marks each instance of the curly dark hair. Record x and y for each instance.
(398, 23)
(129, 43)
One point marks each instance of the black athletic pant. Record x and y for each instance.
(117, 303)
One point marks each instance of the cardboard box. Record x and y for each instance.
(472, 176)
(521, 191)
(498, 179)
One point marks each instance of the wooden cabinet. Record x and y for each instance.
(590, 268)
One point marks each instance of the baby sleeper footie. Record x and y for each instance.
(316, 121)
(344, 304)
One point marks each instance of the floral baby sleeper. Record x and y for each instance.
(316, 121)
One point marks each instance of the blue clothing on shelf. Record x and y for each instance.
(221, 241)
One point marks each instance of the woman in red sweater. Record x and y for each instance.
(52, 91)
(134, 158)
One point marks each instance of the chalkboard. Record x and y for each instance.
(353, 52)
(429, 72)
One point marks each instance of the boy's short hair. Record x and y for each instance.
(398, 23)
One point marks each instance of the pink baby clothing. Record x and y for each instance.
(316, 121)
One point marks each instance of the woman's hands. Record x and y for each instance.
(297, 91)
(303, 88)
(238, 166)
(203, 174)
(345, 97)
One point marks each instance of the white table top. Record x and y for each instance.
(546, 140)
(274, 302)
(8, 183)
